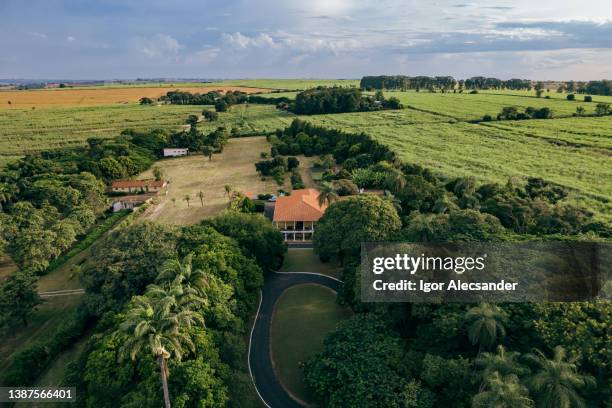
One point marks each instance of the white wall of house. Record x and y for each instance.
(175, 152)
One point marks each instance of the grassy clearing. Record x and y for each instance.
(191, 174)
(302, 309)
(101, 95)
(305, 260)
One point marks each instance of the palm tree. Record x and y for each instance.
(556, 381)
(327, 194)
(397, 203)
(503, 362)
(187, 198)
(7, 192)
(395, 180)
(228, 189)
(176, 271)
(154, 322)
(201, 197)
(485, 325)
(503, 392)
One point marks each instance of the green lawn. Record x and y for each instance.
(305, 260)
(303, 315)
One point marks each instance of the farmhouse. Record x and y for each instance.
(137, 186)
(175, 151)
(131, 201)
(296, 215)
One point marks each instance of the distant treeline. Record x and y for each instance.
(337, 100)
(221, 101)
(403, 82)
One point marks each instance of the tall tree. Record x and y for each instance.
(18, 298)
(556, 382)
(154, 322)
(327, 194)
(503, 392)
(201, 197)
(485, 325)
(187, 198)
(503, 362)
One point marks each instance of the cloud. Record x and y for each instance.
(70, 38)
(159, 46)
(37, 34)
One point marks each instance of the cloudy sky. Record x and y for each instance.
(104, 39)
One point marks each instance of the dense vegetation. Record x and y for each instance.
(222, 102)
(338, 100)
(403, 83)
(446, 355)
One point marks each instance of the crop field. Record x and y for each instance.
(99, 95)
(465, 106)
(23, 131)
(579, 132)
(552, 94)
(289, 83)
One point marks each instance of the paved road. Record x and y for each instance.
(268, 387)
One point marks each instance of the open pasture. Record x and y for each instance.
(102, 95)
(192, 174)
(552, 94)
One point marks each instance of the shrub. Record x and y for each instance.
(473, 92)
(292, 163)
(588, 98)
(487, 118)
(345, 187)
(209, 115)
(571, 97)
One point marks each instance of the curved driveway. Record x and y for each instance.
(268, 387)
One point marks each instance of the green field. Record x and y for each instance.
(465, 106)
(23, 131)
(305, 260)
(302, 309)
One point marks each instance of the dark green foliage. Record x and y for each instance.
(124, 263)
(603, 87)
(18, 299)
(571, 97)
(512, 113)
(255, 234)
(361, 365)
(337, 100)
(588, 98)
(348, 223)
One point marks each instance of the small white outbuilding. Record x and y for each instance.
(175, 151)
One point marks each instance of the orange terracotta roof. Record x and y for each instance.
(301, 205)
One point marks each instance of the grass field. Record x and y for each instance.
(305, 260)
(191, 174)
(103, 95)
(303, 315)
